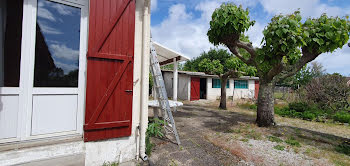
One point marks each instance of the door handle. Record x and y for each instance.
(128, 90)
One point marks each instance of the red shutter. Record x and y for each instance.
(195, 87)
(256, 89)
(110, 62)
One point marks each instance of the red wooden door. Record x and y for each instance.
(195, 88)
(256, 89)
(110, 69)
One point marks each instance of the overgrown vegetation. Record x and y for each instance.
(155, 129)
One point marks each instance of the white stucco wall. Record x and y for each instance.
(215, 93)
(245, 93)
(96, 153)
(182, 90)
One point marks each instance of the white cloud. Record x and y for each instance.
(154, 5)
(255, 33)
(338, 61)
(62, 9)
(47, 29)
(61, 51)
(44, 13)
(66, 67)
(181, 32)
(313, 8)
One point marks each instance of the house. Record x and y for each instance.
(73, 80)
(198, 85)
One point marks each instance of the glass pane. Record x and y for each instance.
(10, 42)
(57, 45)
(228, 84)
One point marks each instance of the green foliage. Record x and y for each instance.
(226, 20)
(291, 141)
(343, 148)
(302, 110)
(275, 139)
(217, 62)
(282, 39)
(343, 117)
(326, 33)
(155, 129)
(279, 147)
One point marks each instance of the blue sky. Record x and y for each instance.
(182, 24)
(63, 41)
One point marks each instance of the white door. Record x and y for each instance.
(58, 69)
(10, 70)
(43, 94)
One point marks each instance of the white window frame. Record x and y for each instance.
(26, 89)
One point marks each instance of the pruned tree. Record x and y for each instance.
(223, 64)
(288, 45)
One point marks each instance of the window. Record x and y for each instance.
(241, 84)
(11, 14)
(217, 83)
(57, 45)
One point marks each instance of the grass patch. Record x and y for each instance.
(110, 164)
(279, 147)
(343, 148)
(275, 139)
(291, 141)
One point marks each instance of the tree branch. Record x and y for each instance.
(248, 47)
(293, 69)
(233, 43)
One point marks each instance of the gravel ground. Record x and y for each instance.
(218, 137)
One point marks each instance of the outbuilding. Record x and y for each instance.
(73, 80)
(198, 85)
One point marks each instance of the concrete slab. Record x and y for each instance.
(72, 160)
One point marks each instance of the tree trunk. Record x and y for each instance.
(265, 113)
(223, 94)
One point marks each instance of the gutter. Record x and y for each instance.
(145, 79)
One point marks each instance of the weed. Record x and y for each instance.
(275, 139)
(253, 135)
(154, 129)
(110, 164)
(291, 141)
(244, 140)
(279, 147)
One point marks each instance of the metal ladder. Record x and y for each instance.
(158, 80)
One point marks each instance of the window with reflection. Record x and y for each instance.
(57, 45)
(10, 42)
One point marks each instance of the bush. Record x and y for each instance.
(299, 106)
(329, 92)
(343, 117)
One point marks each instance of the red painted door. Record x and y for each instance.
(195, 88)
(110, 62)
(256, 89)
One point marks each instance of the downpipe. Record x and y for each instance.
(145, 78)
